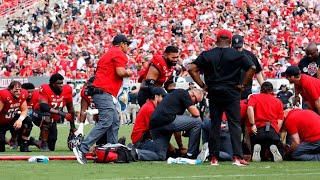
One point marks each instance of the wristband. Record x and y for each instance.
(203, 85)
(21, 118)
(180, 145)
(252, 124)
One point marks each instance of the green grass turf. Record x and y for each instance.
(60, 170)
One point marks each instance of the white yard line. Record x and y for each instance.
(213, 176)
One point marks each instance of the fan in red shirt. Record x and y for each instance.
(303, 126)
(159, 71)
(308, 87)
(52, 98)
(12, 100)
(265, 113)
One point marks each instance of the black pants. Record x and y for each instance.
(265, 139)
(232, 110)
(25, 130)
(37, 119)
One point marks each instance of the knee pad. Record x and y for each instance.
(46, 123)
(26, 127)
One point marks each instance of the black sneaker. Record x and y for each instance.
(122, 140)
(81, 156)
(44, 146)
(34, 142)
(13, 144)
(24, 147)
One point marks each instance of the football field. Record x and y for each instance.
(60, 170)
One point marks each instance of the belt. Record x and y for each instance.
(97, 91)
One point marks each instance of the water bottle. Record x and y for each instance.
(40, 159)
(181, 160)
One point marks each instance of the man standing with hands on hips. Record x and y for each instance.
(222, 72)
(111, 69)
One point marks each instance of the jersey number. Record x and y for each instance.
(11, 113)
(57, 104)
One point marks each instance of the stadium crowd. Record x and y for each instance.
(70, 37)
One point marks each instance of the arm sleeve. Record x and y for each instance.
(252, 101)
(200, 61)
(120, 60)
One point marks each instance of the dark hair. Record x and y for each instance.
(171, 49)
(13, 84)
(54, 78)
(28, 86)
(266, 87)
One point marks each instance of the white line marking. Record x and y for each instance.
(213, 176)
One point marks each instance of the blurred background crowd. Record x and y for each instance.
(70, 37)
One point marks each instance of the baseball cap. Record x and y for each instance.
(292, 71)
(120, 38)
(237, 41)
(158, 91)
(224, 34)
(283, 85)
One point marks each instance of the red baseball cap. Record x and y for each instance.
(224, 33)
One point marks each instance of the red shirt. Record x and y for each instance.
(304, 122)
(34, 99)
(11, 105)
(55, 101)
(309, 88)
(106, 76)
(142, 122)
(165, 72)
(267, 108)
(88, 99)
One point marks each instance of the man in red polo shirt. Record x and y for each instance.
(308, 87)
(140, 136)
(265, 113)
(111, 69)
(159, 71)
(303, 126)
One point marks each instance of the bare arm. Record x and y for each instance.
(193, 110)
(260, 78)
(123, 72)
(317, 104)
(295, 142)
(194, 73)
(318, 73)
(71, 111)
(249, 75)
(84, 107)
(1, 105)
(280, 122)
(153, 73)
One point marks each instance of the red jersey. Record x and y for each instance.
(55, 101)
(34, 99)
(11, 105)
(106, 76)
(304, 122)
(309, 88)
(142, 122)
(267, 108)
(164, 70)
(88, 99)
